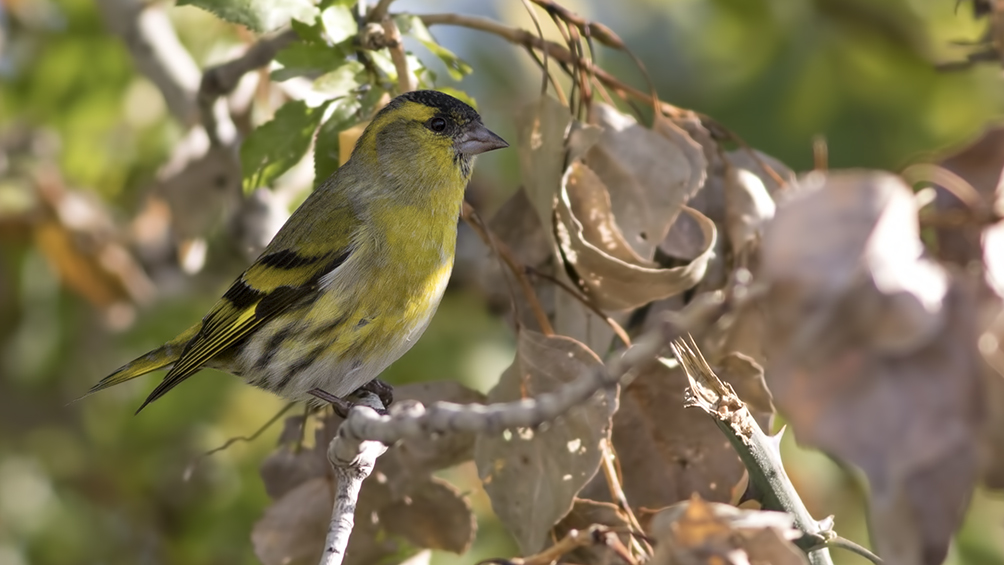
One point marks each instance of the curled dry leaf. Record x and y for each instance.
(611, 273)
(397, 502)
(651, 173)
(873, 354)
(533, 475)
(547, 139)
(980, 165)
(668, 452)
(698, 532)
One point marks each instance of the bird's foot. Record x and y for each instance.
(339, 404)
(384, 392)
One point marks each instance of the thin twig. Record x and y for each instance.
(844, 543)
(595, 535)
(953, 183)
(621, 334)
(396, 47)
(379, 12)
(540, 32)
(502, 250)
(607, 458)
(257, 433)
(522, 37)
(604, 35)
(221, 80)
(416, 420)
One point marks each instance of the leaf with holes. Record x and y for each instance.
(532, 476)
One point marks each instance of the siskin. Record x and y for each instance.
(352, 279)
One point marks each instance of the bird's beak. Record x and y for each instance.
(478, 139)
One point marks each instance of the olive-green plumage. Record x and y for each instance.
(352, 279)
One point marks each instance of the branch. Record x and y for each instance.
(559, 52)
(415, 420)
(379, 11)
(353, 461)
(157, 53)
(759, 453)
(222, 79)
(375, 36)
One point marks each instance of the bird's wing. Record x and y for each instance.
(279, 280)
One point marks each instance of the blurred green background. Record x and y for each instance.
(88, 482)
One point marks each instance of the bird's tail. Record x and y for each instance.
(159, 358)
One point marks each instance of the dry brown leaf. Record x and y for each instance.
(516, 224)
(541, 129)
(417, 458)
(696, 532)
(292, 530)
(612, 274)
(754, 161)
(980, 164)
(400, 500)
(435, 516)
(873, 354)
(651, 173)
(586, 513)
(667, 452)
(432, 515)
(993, 471)
(748, 207)
(533, 476)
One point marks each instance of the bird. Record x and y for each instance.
(352, 279)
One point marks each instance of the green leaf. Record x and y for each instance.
(413, 26)
(341, 81)
(339, 23)
(381, 58)
(370, 100)
(258, 15)
(326, 3)
(326, 149)
(311, 33)
(279, 144)
(299, 59)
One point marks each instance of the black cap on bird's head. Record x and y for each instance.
(454, 119)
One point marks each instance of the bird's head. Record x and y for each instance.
(429, 130)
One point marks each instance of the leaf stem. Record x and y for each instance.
(518, 270)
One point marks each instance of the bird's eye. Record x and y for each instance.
(437, 124)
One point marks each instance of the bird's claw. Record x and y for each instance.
(384, 392)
